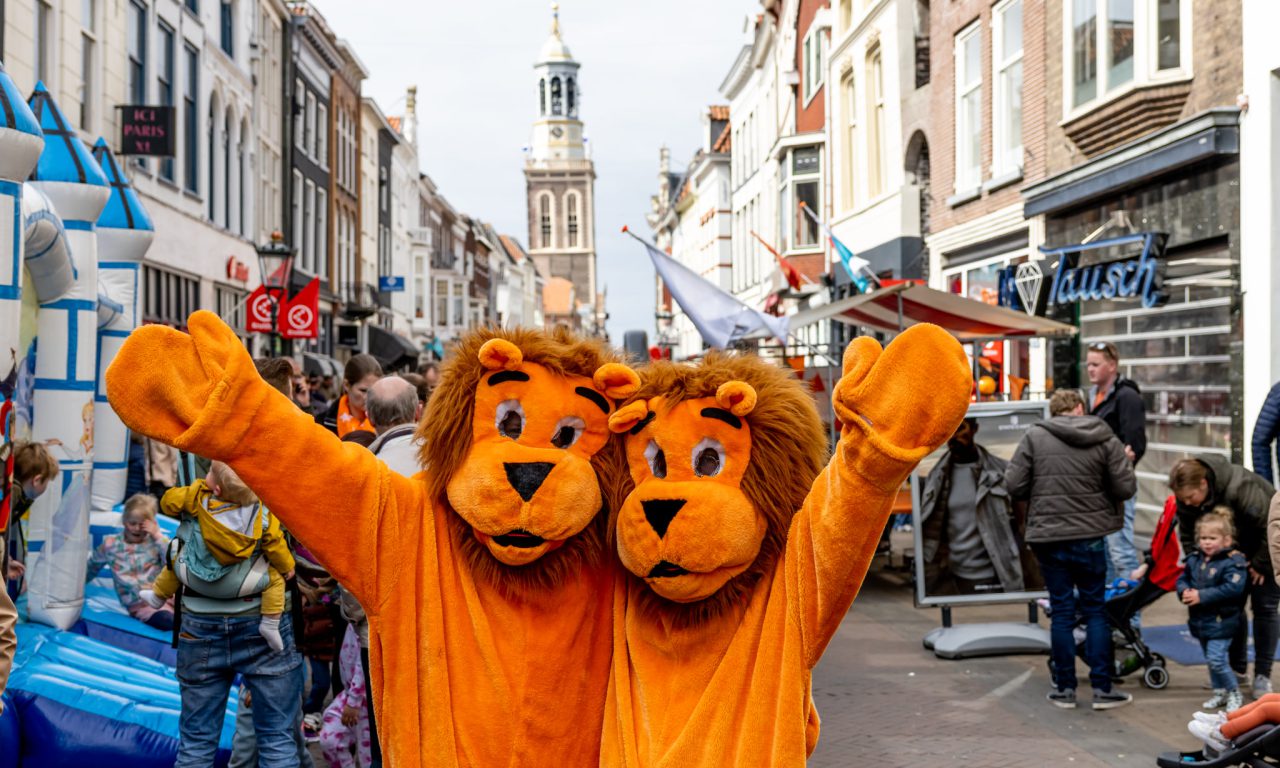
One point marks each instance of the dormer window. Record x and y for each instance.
(556, 99)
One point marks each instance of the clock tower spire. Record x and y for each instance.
(560, 183)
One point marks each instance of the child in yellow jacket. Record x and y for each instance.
(231, 526)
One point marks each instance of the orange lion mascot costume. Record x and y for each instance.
(745, 552)
(484, 578)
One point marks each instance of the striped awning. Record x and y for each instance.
(895, 308)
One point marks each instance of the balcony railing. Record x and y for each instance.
(359, 300)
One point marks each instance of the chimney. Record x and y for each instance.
(410, 127)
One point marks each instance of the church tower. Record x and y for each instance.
(560, 181)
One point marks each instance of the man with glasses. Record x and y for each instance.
(1117, 401)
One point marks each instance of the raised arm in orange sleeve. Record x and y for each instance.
(896, 406)
(201, 393)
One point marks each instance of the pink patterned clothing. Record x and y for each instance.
(336, 739)
(133, 568)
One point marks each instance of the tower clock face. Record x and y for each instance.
(557, 132)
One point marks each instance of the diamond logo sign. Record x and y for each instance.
(1028, 279)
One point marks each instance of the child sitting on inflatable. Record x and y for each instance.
(230, 526)
(136, 557)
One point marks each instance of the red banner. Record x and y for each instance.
(258, 316)
(300, 316)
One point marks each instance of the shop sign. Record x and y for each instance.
(146, 130)
(391, 284)
(237, 270)
(1141, 277)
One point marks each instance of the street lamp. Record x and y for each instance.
(275, 262)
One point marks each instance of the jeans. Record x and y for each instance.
(321, 681)
(244, 744)
(1074, 573)
(211, 651)
(1220, 675)
(1122, 555)
(1263, 599)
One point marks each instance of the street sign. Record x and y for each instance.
(391, 284)
(146, 130)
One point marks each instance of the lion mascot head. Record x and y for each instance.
(516, 443)
(721, 454)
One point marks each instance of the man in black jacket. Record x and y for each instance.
(1117, 401)
(1199, 484)
(1075, 473)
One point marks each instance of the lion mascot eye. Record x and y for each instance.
(568, 430)
(657, 460)
(510, 419)
(708, 457)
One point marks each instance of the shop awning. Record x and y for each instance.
(392, 350)
(897, 307)
(316, 364)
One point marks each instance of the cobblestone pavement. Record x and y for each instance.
(886, 701)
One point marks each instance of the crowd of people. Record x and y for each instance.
(241, 596)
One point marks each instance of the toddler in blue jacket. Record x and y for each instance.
(1212, 585)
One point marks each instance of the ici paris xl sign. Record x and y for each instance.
(1141, 276)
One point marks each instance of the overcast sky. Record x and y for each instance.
(648, 71)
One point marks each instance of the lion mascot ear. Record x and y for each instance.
(616, 381)
(500, 354)
(736, 397)
(628, 416)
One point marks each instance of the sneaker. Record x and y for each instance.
(1110, 699)
(311, 724)
(1235, 700)
(1209, 734)
(1261, 685)
(1064, 699)
(1219, 699)
(1213, 718)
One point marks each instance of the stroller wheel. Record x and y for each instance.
(1157, 660)
(1155, 677)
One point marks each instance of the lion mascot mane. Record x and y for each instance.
(483, 577)
(744, 553)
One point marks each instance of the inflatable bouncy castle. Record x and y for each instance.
(91, 685)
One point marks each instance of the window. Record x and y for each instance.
(227, 26)
(850, 138)
(309, 135)
(321, 153)
(542, 96)
(193, 6)
(969, 108)
(876, 134)
(322, 232)
(191, 154)
(1006, 56)
(544, 217)
(44, 48)
(164, 86)
(442, 303)
(555, 96)
(297, 219)
(299, 121)
(459, 310)
(813, 65)
(309, 228)
(571, 213)
(230, 303)
(213, 145)
(806, 169)
(1116, 43)
(88, 70)
(168, 297)
(921, 29)
(136, 47)
(571, 92)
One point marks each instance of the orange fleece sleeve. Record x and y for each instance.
(896, 407)
(201, 393)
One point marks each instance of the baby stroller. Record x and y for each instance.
(1259, 748)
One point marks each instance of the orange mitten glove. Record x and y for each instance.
(904, 401)
(181, 388)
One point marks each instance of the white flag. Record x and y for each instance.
(720, 317)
